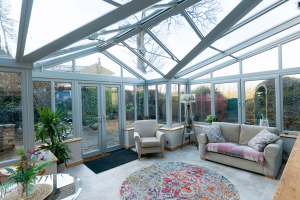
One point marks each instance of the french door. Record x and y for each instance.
(100, 118)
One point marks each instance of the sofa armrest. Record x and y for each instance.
(274, 149)
(202, 138)
(160, 136)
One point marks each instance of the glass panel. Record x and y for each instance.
(41, 97)
(140, 102)
(291, 102)
(9, 29)
(259, 25)
(128, 74)
(182, 91)
(62, 17)
(112, 116)
(175, 103)
(161, 103)
(131, 59)
(202, 107)
(65, 67)
(226, 102)
(97, 64)
(227, 71)
(206, 15)
(260, 101)
(11, 131)
(63, 101)
(173, 29)
(265, 61)
(151, 102)
(129, 103)
(90, 123)
(290, 53)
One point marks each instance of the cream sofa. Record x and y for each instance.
(242, 134)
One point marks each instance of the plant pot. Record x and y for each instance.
(25, 191)
(188, 130)
(61, 168)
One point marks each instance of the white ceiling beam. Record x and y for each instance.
(113, 3)
(23, 28)
(279, 28)
(11, 62)
(233, 17)
(90, 28)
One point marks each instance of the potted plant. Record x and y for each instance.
(26, 171)
(211, 118)
(53, 128)
(189, 128)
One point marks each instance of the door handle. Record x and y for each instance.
(104, 118)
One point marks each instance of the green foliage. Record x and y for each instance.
(60, 150)
(129, 107)
(4, 187)
(189, 126)
(211, 118)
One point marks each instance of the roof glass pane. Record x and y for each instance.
(207, 53)
(290, 54)
(128, 74)
(177, 35)
(259, 25)
(97, 64)
(10, 16)
(228, 71)
(152, 52)
(206, 15)
(65, 67)
(271, 39)
(265, 61)
(203, 77)
(51, 19)
(131, 60)
(208, 67)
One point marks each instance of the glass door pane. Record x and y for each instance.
(90, 120)
(111, 117)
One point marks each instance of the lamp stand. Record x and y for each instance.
(189, 112)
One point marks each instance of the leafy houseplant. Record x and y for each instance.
(211, 118)
(51, 126)
(188, 127)
(25, 171)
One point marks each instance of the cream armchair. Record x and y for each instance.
(148, 139)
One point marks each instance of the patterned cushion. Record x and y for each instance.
(262, 139)
(214, 133)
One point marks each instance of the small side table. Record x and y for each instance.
(190, 133)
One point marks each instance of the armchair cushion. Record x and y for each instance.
(146, 128)
(150, 142)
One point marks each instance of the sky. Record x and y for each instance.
(51, 19)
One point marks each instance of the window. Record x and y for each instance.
(260, 101)
(41, 97)
(291, 102)
(161, 104)
(226, 102)
(128, 74)
(11, 129)
(63, 101)
(290, 53)
(175, 104)
(151, 102)
(65, 67)
(202, 107)
(140, 101)
(227, 71)
(182, 91)
(129, 104)
(265, 61)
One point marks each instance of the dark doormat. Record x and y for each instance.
(115, 159)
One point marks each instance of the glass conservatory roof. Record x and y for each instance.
(156, 39)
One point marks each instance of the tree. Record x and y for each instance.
(7, 25)
(203, 14)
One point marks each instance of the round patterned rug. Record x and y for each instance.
(177, 180)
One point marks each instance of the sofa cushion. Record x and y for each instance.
(262, 139)
(249, 131)
(213, 133)
(146, 128)
(236, 150)
(231, 132)
(150, 142)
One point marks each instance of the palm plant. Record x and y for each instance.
(53, 128)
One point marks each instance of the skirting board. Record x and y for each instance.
(179, 146)
(129, 147)
(74, 163)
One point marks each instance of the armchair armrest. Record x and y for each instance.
(274, 149)
(202, 138)
(137, 137)
(160, 136)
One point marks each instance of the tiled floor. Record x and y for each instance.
(106, 185)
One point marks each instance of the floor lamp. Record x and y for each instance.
(188, 99)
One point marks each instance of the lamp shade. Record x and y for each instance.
(188, 98)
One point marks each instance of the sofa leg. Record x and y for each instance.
(139, 156)
(162, 154)
(270, 177)
(203, 159)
